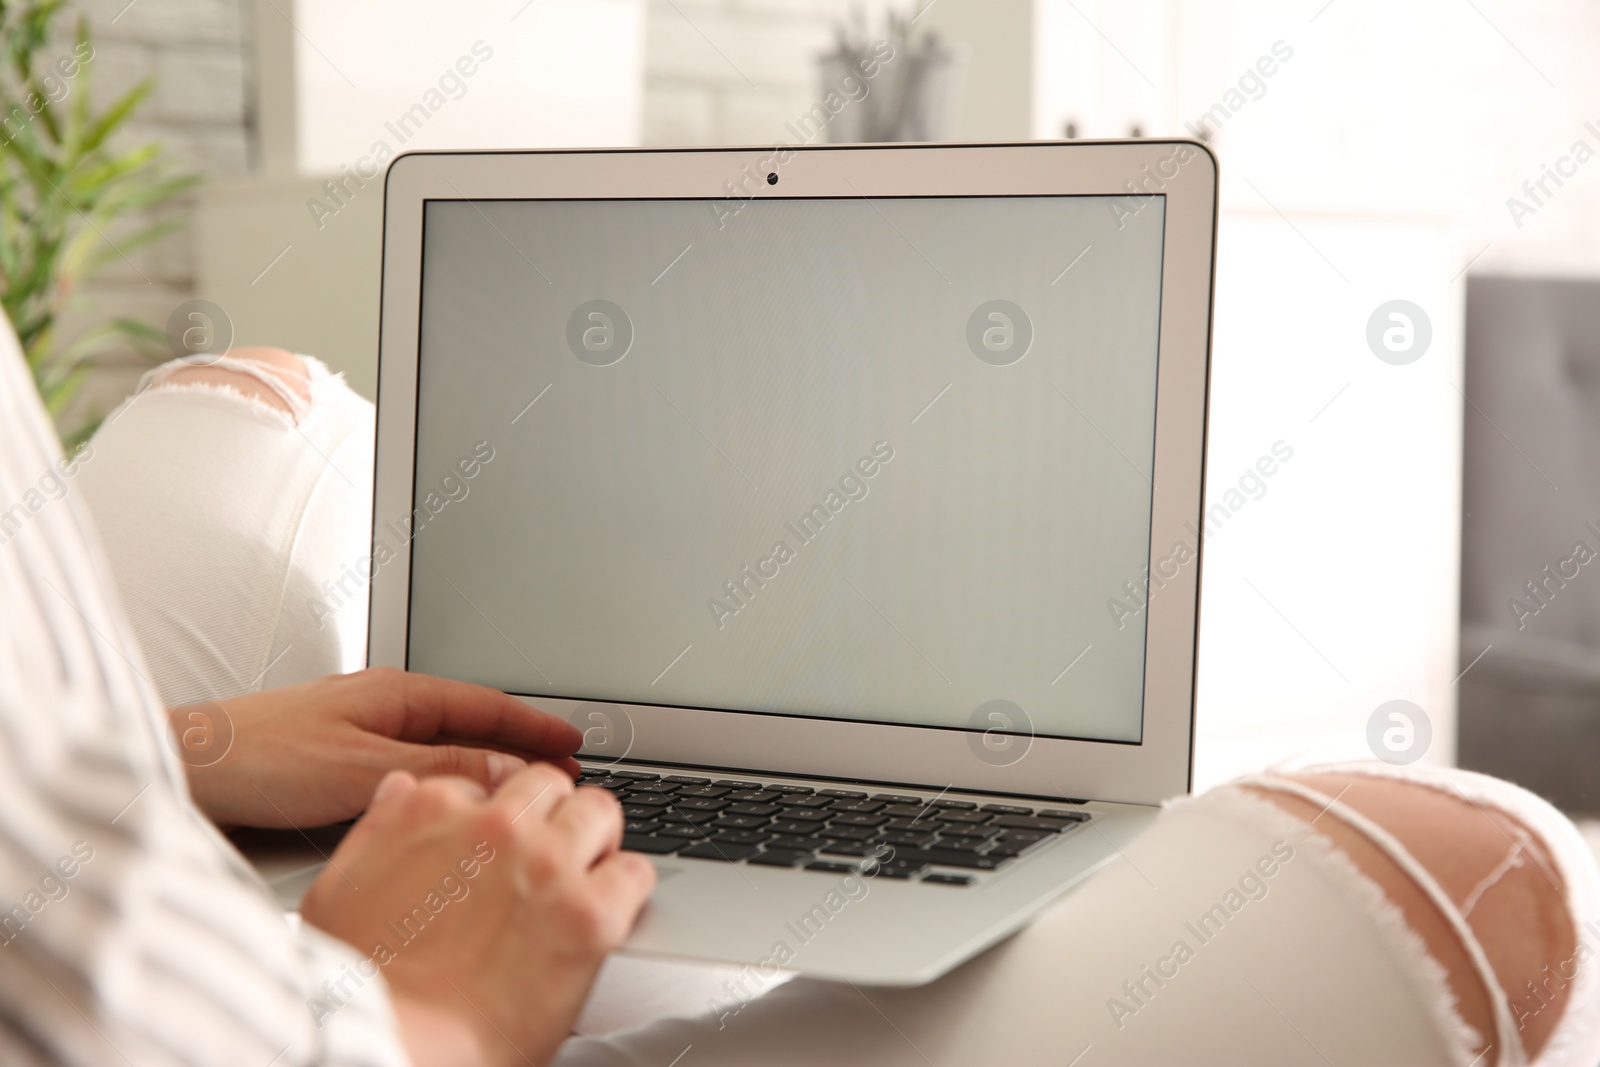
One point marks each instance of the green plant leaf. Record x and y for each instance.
(65, 196)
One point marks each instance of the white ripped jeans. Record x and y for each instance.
(1232, 933)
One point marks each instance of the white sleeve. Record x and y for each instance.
(130, 930)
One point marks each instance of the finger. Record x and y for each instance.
(566, 763)
(437, 707)
(394, 784)
(391, 787)
(481, 765)
(621, 883)
(592, 818)
(534, 792)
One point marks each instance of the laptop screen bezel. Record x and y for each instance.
(1182, 173)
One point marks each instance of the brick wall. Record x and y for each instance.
(199, 54)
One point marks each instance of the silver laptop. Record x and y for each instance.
(847, 498)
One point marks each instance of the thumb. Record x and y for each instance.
(484, 766)
(394, 784)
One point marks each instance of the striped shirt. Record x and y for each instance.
(131, 931)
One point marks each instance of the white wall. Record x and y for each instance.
(735, 71)
(284, 280)
(1365, 153)
(417, 74)
(1336, 590)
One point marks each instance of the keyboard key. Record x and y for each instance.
(752, 809)
(702, 791)
(684, 830)
(741, 822)
(844, 794)
(686, 779)
(1024, 837)
(947, 879)
(641, 826)
(1017, 848)
(852, 848)
(642, 811)
(755, 796)
(906, 811)
(969, 830)
(794, 826)
(712, 851)
(691, 817)
(611, 781)
(802, 814)
(895, 798)
(643, 776)
(797, 843)
(899, 873)
(1007, 809)
(851, 818)
(1017, 822)
(780, 857)
(630, 799)
(831, 866)
(913, 825)
(858, 805)
(657, 845)
(817, 802)
(902, 839)
(793, 790)
(957, 815)
(953, 805)
(851, 833)
(731, 783)
(961, 844)
(893, 868)
(740, 837)
(1061, 813)
(683, 803)
(652, 787)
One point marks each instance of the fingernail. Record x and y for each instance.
(502, 766)
(393, 784)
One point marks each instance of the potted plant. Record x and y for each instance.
(67, 196)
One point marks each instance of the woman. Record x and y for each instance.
(1338, 915)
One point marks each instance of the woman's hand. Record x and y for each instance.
(312, 754)
(489, 916)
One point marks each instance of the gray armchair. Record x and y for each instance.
(1530, 551)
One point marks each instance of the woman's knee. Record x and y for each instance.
(1497, 873)
(262, 374)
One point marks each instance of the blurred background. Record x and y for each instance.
(1413, 583)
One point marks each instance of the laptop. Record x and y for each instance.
(847, 498)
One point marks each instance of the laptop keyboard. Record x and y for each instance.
(836, 830)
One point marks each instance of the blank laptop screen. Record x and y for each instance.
(883, 460)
